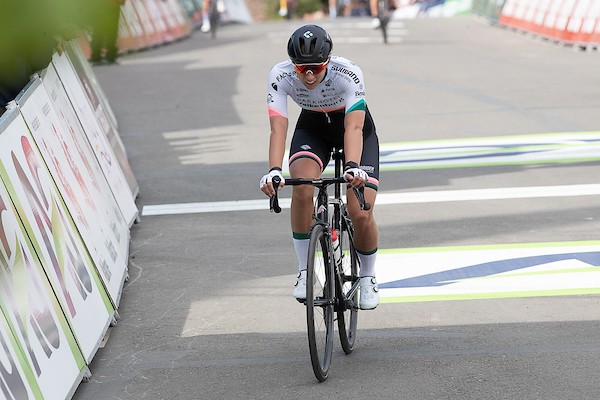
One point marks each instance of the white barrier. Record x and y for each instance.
(15, 372)
(34, 316)
(78, 83)
(570, 21)
(407, 9)
(66, 206)
(70, 123)
(148, 23)
(54, 237)
(94, 211)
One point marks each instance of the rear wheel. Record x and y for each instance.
(347, 313)
(319, 303)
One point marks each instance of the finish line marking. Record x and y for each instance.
(388, 198)
(489, 272)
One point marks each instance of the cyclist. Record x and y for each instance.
(330, 90)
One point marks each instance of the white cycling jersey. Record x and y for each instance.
(342, 89)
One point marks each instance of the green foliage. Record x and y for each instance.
(300, 7)
(308, 6)
(272, 9)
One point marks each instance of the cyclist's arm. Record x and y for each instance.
(354, 120)
(353, 139)
(278, 118)
(279, 127)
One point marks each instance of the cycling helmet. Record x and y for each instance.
(309, 44)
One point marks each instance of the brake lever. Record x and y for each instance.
(360, 196)
(274, 200)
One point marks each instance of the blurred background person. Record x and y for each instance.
(105, 30)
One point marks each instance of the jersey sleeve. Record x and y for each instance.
(355, 92)
(276, 95)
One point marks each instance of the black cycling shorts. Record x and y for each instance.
(317, 133)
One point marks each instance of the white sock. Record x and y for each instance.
(367, 263)
(301, 247)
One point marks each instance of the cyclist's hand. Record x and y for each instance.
(266, 182)
(356, 176)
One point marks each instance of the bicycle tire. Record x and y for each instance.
(319, 302)
(347, 316)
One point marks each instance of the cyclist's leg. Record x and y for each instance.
(374, 9)
(304, 164)
(308, 156)
(365, 227)
(205, 17)
(366, 233)
(302, 207)
(302, 196)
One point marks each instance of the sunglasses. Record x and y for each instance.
(314, 68)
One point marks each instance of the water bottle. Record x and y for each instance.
(337, 251)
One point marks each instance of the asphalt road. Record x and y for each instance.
(207, 312)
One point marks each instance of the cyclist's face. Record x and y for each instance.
(311, 80)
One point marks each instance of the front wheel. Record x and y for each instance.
(319, 302)
(347, 314)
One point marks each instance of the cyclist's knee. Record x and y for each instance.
(303, 193)
(361, 218)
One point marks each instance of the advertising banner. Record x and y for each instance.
(237, 11)
(131, 33)
(95, 214)
(100, 133)
(157, 20)
(193, 9)
(152, 36)
(175, 9)
(78, 143)
(572, 21)
(36, 320)
(80, 61)
(57, 244)
(90, 86)
(32, 311)
(18, 381)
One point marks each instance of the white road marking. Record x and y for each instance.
(498, 271)
(387, 198)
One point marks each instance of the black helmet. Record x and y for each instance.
(309, 44)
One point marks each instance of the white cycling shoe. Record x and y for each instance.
(205, 26)
(369, 293)
(300, 286)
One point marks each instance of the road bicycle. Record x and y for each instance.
(383, 14)
(332, 273)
